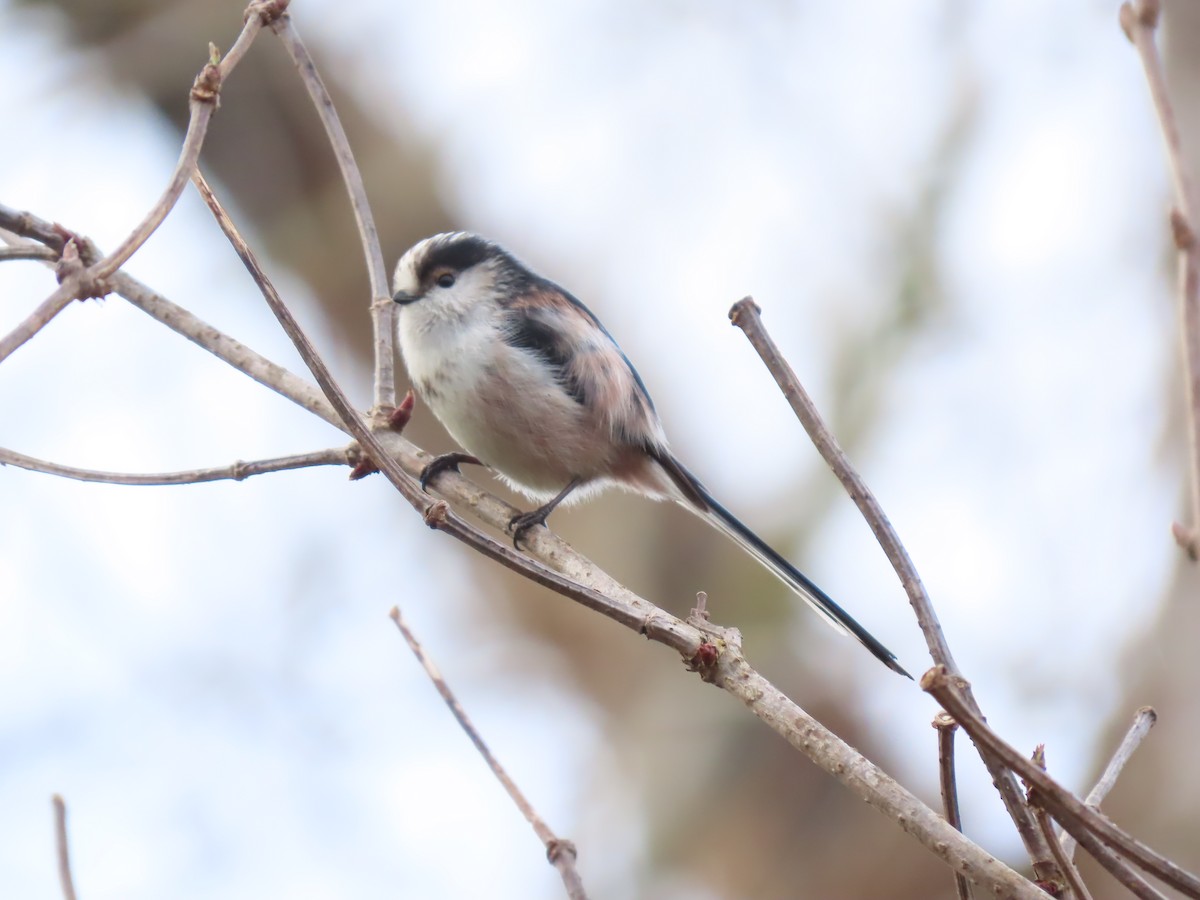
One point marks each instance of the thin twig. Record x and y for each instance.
(92, 280)
(62, 297)
(560, 853)
(238, 471)
(1074, 881)
(1070, 873)
(746, 315)
(63, 851)
(1139, 20)
(946, 726)
(1143, 721)
(44, 254)
(613, 600)
(1068, 809)
(228, 349)
(383, 310)
(1113, 864)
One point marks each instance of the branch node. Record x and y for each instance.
(943, 721)
(704, 660)
(559, 848)
(1181, 230)
(207, 86)
(1186, 538)
(1147, 12)
(267, 11)
(402, 414)
(739, 309)
(436, 514)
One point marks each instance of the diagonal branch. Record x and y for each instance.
(560, 853)
(1143, 721)
(746, 315)
(238, 471)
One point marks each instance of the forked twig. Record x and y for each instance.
(80, 281)
(560, 853)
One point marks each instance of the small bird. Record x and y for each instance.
(529, 383)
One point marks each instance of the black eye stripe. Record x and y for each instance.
(457, 255)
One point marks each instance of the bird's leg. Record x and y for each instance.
(522, 522)
(440, 464)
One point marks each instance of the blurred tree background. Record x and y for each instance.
(953, 217)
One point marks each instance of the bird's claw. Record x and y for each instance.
(447, 462)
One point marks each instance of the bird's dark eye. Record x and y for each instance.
(446, 279)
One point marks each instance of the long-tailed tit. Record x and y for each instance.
(529, 382)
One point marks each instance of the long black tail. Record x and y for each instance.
(701, 502)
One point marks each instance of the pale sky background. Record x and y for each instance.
(213, 741)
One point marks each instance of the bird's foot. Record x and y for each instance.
(443, 463)
(522, 522)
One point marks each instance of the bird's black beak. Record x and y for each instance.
(404, 298)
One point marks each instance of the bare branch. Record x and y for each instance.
(1139, 21)
(43, 254)
(60, 843)
(1074, 881)
(946, 726)
(560, 853)
(746, 315)
(92, 281)
(1068, 809)
(178, 319)
(37, 320)
(1143, 721)
(722, 661)
(238, 471)
(383, 310)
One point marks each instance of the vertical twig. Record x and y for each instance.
(1143, 721)
(60, 843)
(746, 315)
(383, 310)
(1074, 881)
(1139, 21)
(560, 853)
(946, 726)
